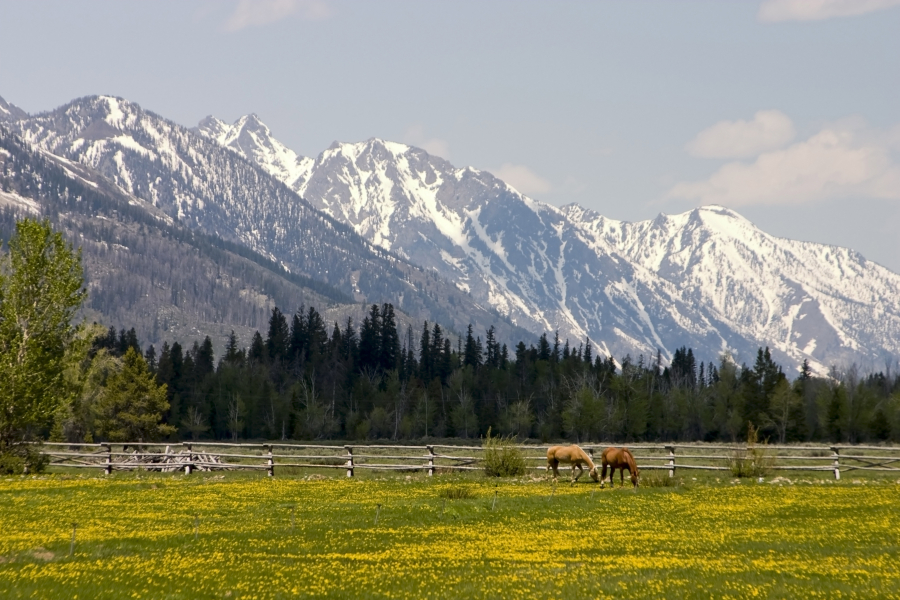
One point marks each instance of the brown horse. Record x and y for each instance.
(619, 458)
(570, 455)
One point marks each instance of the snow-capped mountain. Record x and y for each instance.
(807, 300)
(194, 179)
(10, 112)
(250, 138)
(707, 278)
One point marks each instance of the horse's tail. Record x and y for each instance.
(604, 456)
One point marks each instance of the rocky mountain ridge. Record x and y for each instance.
(196, 182)
(706, 278)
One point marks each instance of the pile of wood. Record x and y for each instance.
(175, 461)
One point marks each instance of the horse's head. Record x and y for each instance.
(593, 474)
(636, 477)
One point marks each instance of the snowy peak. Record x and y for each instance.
(806, 300)
(253, 140)
(10, 112)
(214, 128)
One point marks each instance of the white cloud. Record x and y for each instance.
(769, 129)
(415, 136)
(773, 11)
(844, 160)
(522, 178)
(251, 13)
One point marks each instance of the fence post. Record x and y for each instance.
(270, 461)
(430, 461)
(108, 468)
(189, 465)
(671, 450)
(836, 464)
(349, 450)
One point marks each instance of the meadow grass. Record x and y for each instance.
(291, 537)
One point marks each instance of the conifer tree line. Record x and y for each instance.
(308, 380)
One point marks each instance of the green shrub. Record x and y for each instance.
(22, 458)
(754, 460)
(659, 479)
(457, 492)
(501, 457)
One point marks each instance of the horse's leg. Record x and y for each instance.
(621, 475)
(580, 472)
(553, 464)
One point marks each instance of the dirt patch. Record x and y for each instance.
(42, 553)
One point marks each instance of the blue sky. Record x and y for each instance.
(786, 110)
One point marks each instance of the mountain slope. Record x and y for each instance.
(144, 271)
(807, 300)
(193, 179)
(707, 279)
(10, 112)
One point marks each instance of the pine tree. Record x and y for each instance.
(297, 348)
(257, 354)
(370, 340)
(426, 364)
(471, 353)
(150, 357)
(132, 404)
(317, 336)
(543, 348)
(351, 344)
(555, 355)
(277, 342)
(390, 340)
(437, 351)
(233, 354)
(492, 358)
(204, 361)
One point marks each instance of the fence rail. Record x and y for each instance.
(192, 456)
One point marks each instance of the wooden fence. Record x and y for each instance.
(192, 456)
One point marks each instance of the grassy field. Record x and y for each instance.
(244, 536)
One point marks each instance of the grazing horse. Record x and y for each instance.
(619, 458)
(570, 455)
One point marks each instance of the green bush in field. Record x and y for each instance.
(501, 457)
(21, 458)
(659, 479)
(457, 492)
(754, 460)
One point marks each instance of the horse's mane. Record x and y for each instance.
(587, 457)
(631, 462)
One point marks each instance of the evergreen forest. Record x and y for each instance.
(310, 380)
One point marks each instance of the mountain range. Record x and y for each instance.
(380, 221)
(201, 186)
(707, 278)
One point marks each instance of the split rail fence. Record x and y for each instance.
(436, 458)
